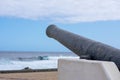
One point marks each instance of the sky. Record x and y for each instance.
(23, 23)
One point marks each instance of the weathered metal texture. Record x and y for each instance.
(83, 46)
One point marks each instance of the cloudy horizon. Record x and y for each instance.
(23, 23)
(73, 11)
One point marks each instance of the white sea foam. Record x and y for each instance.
(8, 64)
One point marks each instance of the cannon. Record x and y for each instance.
(84, 47)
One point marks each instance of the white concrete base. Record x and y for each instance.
(70, 69)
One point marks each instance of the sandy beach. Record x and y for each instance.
(50, 75)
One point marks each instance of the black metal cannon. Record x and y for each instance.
(83, 47)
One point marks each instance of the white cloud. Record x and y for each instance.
(71, 11)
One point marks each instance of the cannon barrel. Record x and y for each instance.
(83, 46)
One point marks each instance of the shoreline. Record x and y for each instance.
(27, 70)
(48, 75)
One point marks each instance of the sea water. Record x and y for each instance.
(33, 60)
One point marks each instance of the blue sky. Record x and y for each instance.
(23, 23)
(29, 35)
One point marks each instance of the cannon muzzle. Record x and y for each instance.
(83, 46)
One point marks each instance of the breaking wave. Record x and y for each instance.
(39, 62)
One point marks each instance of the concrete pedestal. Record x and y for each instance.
(71, 69)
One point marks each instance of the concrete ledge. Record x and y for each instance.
(69, 69)
(27, 71)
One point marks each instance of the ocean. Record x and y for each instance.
(32, 60)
